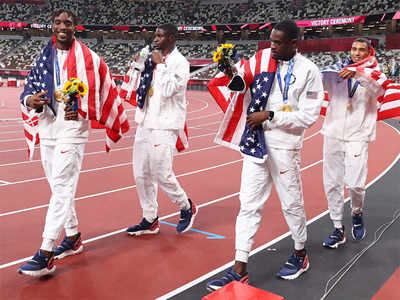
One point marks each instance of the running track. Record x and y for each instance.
(114, 264)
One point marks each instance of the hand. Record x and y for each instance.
(70, 114)
(35, 101)
(346, 74)
(230, 71)
(156, 56)
(255, 119)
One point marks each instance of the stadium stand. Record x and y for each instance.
(194, 12)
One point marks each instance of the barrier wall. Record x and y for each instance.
(323, 45)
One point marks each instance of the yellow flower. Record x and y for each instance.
(217, 56)
(228, 46)
(75, 85)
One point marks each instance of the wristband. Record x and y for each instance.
(271, 115)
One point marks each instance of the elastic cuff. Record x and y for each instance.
(242, 256)
(337, 224)
(71, 231)
(150, 217)
(47, 244)
(299, 245)
(185, 205)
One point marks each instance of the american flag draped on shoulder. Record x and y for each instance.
(138, 97)
(101, 104)
(234, 132)
(389, 102)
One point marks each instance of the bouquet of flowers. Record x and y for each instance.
(72, 88)
(225, 56)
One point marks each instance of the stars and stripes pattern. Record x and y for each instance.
(102, 104)
(389, 102)
(233, 131)
(137, 97)
(146, 77)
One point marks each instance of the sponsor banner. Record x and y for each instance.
(190, 28)
(331, 21)
(13, 24)
(396, 16)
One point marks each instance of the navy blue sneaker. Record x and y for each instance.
(295, 266)
(187, 218)
(39, 265)
(230, 276)
(358, 231)
(144, 227)
(338, 237)
(68, 247)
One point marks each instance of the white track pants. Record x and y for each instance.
(282, 167)
(345, 164)
(152, 167)
(62, 164)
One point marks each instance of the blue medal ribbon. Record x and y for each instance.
(351, 90)
(285, 90)
(58, 76)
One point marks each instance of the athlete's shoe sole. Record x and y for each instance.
(141, 232)
(69, 252)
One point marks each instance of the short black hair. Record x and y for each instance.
(290, 29)
(363, 40)
(58, 12)
(171, 29)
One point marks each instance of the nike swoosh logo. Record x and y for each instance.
(156, 145)
(357, 155)
(62, 152)
(283, 172)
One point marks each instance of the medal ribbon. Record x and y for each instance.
(351, 90)
(58, 76)
(285, 90)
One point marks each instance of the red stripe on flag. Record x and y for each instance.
(179, 144)
(216, 93)
(248, 75)
(272, 64)
(91, 78)
(70, 62)
(258, 62)
(234, 121)
(390, 113)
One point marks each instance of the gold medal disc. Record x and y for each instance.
(151, 92)
(349, 106)
(58, 95)
(286, 108)
(65, 98)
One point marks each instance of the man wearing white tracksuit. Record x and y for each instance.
(284, 132)
(350, 124)
(63, 134)
(160, 120)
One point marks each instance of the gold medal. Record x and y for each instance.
(151, 92)
(58, 95)
(286, 108)
(65, 98)
(349, 106)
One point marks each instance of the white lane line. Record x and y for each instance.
(161, 218)
(102, 131)
(107, 167)
(120, 189)
(3, 181)
(98, 152)
(262, 247)
(19, 261)
(123, 137)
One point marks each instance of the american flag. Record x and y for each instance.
(233, 131)
(101, 104)
(388, 102)
(138, 97)
(146, 78)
